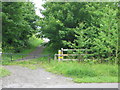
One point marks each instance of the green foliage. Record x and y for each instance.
(82, 25)
(61, 22)
(99, 79)
(29, 64)
(85, 72)
(118, 44)
(33, 43)
(4, 72)
(18, 24)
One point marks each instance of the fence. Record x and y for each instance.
(20, 56)
(61, 54)
(86, 55)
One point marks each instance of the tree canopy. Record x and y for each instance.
(18, 24)
(91, 25)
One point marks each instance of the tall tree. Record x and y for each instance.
(18, 24)
(60, 21)
(81, 25)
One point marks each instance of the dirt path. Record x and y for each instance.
(22, 77)
(36, 53)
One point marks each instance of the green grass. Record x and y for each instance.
(4, 72)
(31, 64)
(80, 72)
(33, 43)
(98, 79)
(85, 73)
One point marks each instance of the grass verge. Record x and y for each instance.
(85, 73)
(4, 72)
(80, 72)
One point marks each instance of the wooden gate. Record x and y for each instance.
(60, 56)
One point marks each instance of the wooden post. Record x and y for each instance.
(101, 59)
(93, 58)
(86, 53)
(62, 52)
(55, 57)
(22, 57)
(60, 56)
(49, 58)
(0, 56)
(78, 57)
(11, 57)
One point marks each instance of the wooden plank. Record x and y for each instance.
(67, 54)
(70, 54)
(69, 59)
(74, 49)
(69, 49)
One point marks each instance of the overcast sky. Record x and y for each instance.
(38, 4)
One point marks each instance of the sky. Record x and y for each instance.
(38, 5)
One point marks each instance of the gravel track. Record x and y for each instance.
(34, 54)
(22, 77)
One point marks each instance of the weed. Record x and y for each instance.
(4, 72)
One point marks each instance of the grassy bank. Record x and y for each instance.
(84, 73)
(4, 72)
(80, 72)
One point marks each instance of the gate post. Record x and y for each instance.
(60, 57)
(0, 57)
(55, 58)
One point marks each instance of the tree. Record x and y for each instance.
(18, 24)
(81, 25)
(60, 21)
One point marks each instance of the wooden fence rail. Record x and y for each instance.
(61, 54)
(11, 56)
